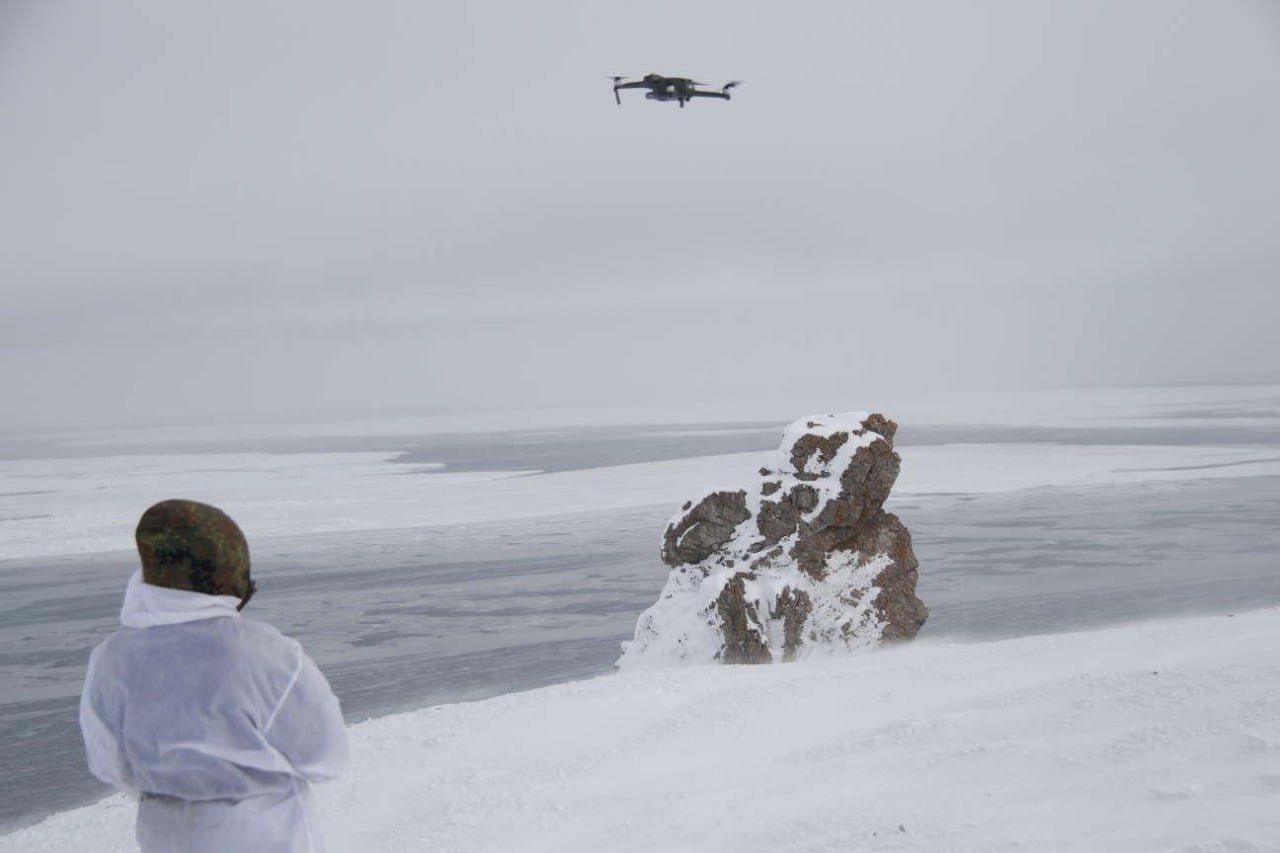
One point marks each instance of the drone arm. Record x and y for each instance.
(634, 84)
(699, 94)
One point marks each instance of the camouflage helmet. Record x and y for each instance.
(194, 546)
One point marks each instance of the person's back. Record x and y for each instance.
(217, 723)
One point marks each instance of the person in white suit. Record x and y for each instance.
(217, 724)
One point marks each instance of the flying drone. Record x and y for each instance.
(661, 88)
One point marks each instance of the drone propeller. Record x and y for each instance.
(727, 86)
(616, 82)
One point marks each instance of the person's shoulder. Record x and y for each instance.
(265, 634)
(120, 648)
(113, 644)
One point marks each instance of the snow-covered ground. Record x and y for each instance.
(1162, 736)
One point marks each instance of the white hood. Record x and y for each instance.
(146, 605)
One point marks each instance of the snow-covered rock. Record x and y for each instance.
(804, 558)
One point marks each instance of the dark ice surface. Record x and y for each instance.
(552, 450)
(1051, 560)
(409, 618)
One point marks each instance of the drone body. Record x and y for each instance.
(661, 88)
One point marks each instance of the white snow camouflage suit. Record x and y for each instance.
(218, 724)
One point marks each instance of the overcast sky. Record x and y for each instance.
(253, 208)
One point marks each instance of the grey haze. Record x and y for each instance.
(259, 209)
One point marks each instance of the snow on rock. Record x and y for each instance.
(804, 559)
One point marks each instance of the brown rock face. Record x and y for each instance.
(704, 528)
(866, 483)
(743, 634)
(807, 548)
(793, 607)
(903, 612)
(811, 446)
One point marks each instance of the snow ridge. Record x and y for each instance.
(1160, 737)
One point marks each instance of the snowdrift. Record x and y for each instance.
(1163, 736)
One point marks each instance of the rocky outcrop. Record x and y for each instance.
(804, 559)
